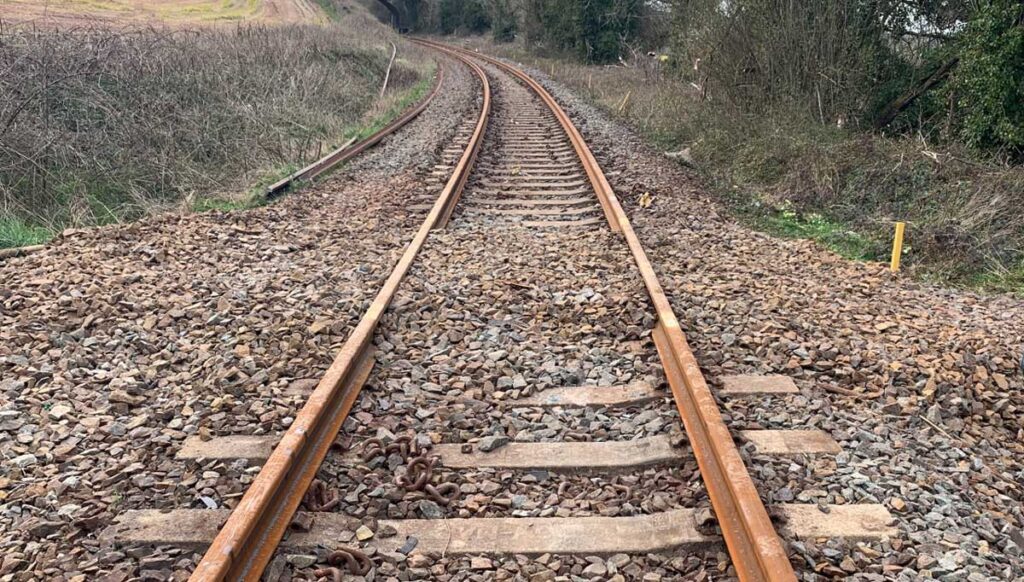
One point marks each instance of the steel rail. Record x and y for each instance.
(754, 546)
(349, 150)
(247, 541)
(594, 173)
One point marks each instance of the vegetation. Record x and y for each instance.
(989, 86)
(100, 125)
(14, 232)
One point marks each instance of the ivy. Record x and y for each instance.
(990, 81)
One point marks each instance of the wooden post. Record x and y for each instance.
(897, 248)
(625, 100)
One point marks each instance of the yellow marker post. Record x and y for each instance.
(897, 247)
(625, 100)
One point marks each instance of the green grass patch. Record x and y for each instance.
(833, 235)
(330, 9)
(14, 232)
(1006, 281)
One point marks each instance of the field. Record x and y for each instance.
(173, 12)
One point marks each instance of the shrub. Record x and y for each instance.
(989, 84)
(99, 125)
(596, 31)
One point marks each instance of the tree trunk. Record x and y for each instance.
(894, 108)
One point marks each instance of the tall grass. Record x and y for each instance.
(100, 125)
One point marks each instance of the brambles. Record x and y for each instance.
(99, 125)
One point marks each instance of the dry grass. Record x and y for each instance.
(796, 177)
(172, 12)
(101, 125)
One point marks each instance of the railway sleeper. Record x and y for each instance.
(673, 530)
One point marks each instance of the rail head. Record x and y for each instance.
(754, 546)
(247, 541)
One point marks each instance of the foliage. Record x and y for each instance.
(596, 31)
(989, 84)
(820, 59)
(504, 20)
(462, 16)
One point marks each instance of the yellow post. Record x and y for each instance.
(897, 247)
(625, 100)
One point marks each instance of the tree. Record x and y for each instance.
(504, 20)
(595, 30)
(989, 84)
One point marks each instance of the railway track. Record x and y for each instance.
(525, 385)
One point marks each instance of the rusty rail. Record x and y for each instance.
(349, 150)
(20, 251)
(247, 541)
(754, 546)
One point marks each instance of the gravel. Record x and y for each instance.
(119, 342)
(491, 312)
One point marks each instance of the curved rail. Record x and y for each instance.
(349, 151)
(247, 541)
(754, 546)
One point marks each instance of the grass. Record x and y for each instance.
(256, 195)
(14, 232)
(1007, 281)
(397, 107)
(176, 12)
(329, 8)
(833, 235)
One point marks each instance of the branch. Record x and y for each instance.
(894, 108)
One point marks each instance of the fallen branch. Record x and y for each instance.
(851, 393)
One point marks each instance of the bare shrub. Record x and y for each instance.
(99, 125)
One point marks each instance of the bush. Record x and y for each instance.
(596, 31)
(462, 16)
(98, 125)
(824, 60)
(504, 21)
(989, 84)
